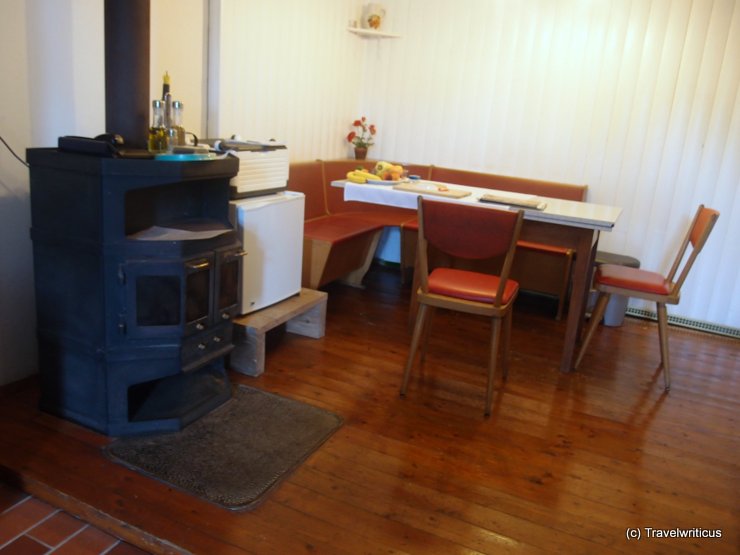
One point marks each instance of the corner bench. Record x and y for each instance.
(334, 246)
(340, 236)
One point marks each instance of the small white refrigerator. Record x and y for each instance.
(270, 229)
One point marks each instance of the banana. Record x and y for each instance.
(355, 178)
(360, 176)
(367, 174)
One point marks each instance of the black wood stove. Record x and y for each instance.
(136, 270)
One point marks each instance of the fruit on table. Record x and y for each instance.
(360, 176)
(381, 167)
(388, 171)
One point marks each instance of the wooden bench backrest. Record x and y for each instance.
(307, 178)
(507, 183)
(338, 169)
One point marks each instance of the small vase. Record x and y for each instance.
(360, 153)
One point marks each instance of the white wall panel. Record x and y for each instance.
(53, 84)
(178, 45)
(17, 334)
(287, 70)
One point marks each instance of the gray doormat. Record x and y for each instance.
(234, 455)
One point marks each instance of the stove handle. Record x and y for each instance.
(199, 265)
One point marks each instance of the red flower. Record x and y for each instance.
(362, 137)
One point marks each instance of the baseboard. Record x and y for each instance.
(687, 323)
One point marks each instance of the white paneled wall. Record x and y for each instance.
(287, 70)
(178, 46)
(640, 99)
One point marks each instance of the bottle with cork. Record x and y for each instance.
(166, 121)
(173, 115)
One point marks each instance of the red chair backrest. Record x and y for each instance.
(466, 231)
(704, 219)
(697, 236)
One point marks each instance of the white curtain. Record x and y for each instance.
(639, 99)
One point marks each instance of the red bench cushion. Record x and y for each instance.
(334, 229)
(386, 218)
(542, 247)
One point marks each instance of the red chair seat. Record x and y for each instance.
(632, 278)
(471, 286)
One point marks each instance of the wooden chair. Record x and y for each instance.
(469, 233)
(652, 286)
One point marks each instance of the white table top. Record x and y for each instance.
(563, 212)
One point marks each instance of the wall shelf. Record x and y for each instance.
(372, 34)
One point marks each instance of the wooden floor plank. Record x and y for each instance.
(566, 463)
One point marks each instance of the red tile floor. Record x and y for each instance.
(28, 526)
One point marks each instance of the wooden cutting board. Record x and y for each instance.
(431, 188)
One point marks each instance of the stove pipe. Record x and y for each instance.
(127, 70)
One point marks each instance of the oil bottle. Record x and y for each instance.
(158, 131)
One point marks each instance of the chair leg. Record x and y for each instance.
(506, 341)
(495, 335)
(418, 327)
(663, 336)
(596, 316)
(428, 318)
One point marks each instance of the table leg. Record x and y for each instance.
(585, 253)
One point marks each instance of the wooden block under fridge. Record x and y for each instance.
(302, 314)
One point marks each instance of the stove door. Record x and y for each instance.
(228, 278)
(166, 297)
